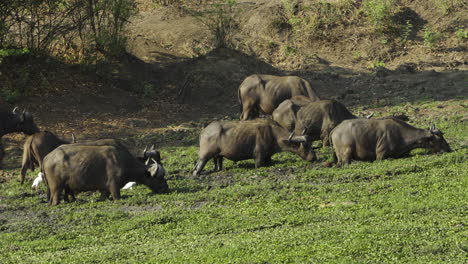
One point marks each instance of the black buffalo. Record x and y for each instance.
(36, 147)
(241, 140)
(377, 139)
(260, 92)
(15, 121)
(104, 168)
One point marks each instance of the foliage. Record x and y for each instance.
(70, 29)
(461, 33)
(221, 20)
(376, 64)
(448, 6)
(289, 7)
(317, 18)
(406, 32)
(430, 37)
(380, 14)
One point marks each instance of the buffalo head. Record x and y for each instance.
(155, 178)
(302, 146)
(24, 122)
(436, 141)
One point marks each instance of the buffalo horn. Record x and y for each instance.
(155, 162)
(15, 110)
(146, 149)
(147, 162)
(432, 127)
(152, 147)
(73, 139)
(304, 131)
(370, 115)
(290, 136)
(299, 139)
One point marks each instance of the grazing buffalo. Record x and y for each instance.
(265, 92)
(241, 140)
(377, 139)
(103, 168)
(286, 112)
(317, 119)
(11, 122)
(36, 147)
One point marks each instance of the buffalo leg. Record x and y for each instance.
(249, 111)
(69, 195)
(344, 157)
(218, 163)
(260, 160)
(25, 165)
(104, 195)
(199, 166)
(115, 192)
(55, 195)
(2, 152)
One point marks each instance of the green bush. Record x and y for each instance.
(221, 20)
(430, 37)
(380, 14)
(376, 64)
(461, 33)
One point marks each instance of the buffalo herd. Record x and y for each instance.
(298, 117)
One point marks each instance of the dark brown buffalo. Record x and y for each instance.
(286, 112)
(36, 147)
(103, 168)
(377, 139)
(241, 140)
(11, 122)
(264, 93)
(317, 119)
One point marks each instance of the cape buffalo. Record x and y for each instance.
(317, 119)
(286, 112)
(265, 92)
(36, 147)
(96, 168)
(241, 140)
(15, 121)
(377, 139)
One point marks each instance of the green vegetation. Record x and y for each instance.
(72, 30)
(431, 37)
(406, 32)
(380, 14)
(376, 64)
(221, 20)
(461, 33)
(409, 210)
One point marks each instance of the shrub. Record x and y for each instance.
(376, 64)
(406, 32)
(380, 14)
(461, 33)
(221, 20)
(431, 37)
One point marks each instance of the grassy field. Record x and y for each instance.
(410, 210)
